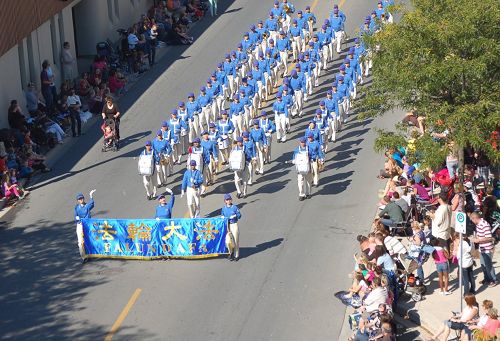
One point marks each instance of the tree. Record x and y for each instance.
(443, 60)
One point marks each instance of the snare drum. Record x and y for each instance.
(183, 132)
(223, 143)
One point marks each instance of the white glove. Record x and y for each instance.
(168, 190)
(157, 218)
(222, 217)
(233, 216)
(77, 218)
(182, 194)
(91, 194)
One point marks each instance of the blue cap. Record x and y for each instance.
(321, 103)
(324, 27)
(311, 43)
(204, 132)
(347, 61)
(302, 140)
(252, 27)
(356, 41)
(335, 10)
(242, 91)
(219, 65)
(261, 22)
(297, 66)
(310, 136)
(271, 41)
(191, 94)
(308, 7)
(276, 2)
(336, 6)
(263, 113)
(285, 87)
(227, 56)
(293, 73)
(223, 112)
(211, 125)
(271, 14)
(299, 12)
(374, 13)
(209, 81)
(203, 89)
(213, 74)
(245, 134)
(236, 96)
(244, 80)
(181, 104)
(159, 133)
(351, 50)
(334, 84)
(192, 163)
(233, 53)
(164, 124)
(329, 92)
(286, 80)
(148, 143)
(261, 54)
(239, 139)
(294, 21)
(161, 196)
(342, 67)
(240, 45)
(246, 34)
(79, 196)
(341, 78)
(327, 21)
(255, 122)
(196, 140)
(318, 111)
(249, 75)
(279, 95)
(255, 63)
(173, 111)
(227, 196)
(282, 33)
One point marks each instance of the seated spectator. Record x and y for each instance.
(65, 89)
(84, 85)
(101, 65)
(358, 287)
(11, 190)
(32, 98)
(402, 203)
(419, 191)
(459, 322)
(96, 79)
(393, 212)
(413, 119)
(116, 83)
(15, 116)
(375, 297)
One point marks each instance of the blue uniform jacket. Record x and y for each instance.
(231, 212)
(192, 178)
(315, 151)
(209, 148)
(225, 127)
(258, 135)
(165, 211)
(83, 211)
(162, 146)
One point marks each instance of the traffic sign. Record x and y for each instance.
(460, 222)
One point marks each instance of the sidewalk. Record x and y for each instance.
(436, 308)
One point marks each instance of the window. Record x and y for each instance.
(110, 10)
(117, 9)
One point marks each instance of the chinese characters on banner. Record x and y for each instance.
(150, 238)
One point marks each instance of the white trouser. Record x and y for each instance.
(149, 185)
(233, 240)
(280, 121)
(256, 103)
(354, 91)
(194, 128)
(338, 40)
(260, 92)
(224, 154)
(331, 48)
(238, 125)
(267, 85)
(315, 172)
(390, 18)
(161, 173)
(276, 73)
(296, 47)
(304, 182)
(267, 149)
(208, 176)
(184, 144)
(274, 36)
(346, 106)
(205, 116)
(309, 86)
(316, 72)
(260, 157)
(310, 25)
(79, 237)
(244, 70)
(241, 179)
(299, 101)
(325, 56)
(176, 152)
(284, 61)
(334, 127)
(246, 117)
(193, 201)
(231, 85)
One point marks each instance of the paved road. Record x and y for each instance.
(294, 254)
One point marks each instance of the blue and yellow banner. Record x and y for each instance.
(150, 238)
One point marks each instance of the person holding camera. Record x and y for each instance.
(74, 103)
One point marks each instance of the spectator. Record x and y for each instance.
(402, 203)
(96, 79)
(32, 98)
(10, 189)
(441, 221)
(392, 210)
(484, 238)
(458, 322)
(68, 63)
(489, 330)
(375, 297)
(464, 256)
(441, 256)
(84, 85)
(15, 117)
(75, 105)
(419, 191)
(49, 90)
(132, 39)
(111, 111)
(452, 160)
(116, 83)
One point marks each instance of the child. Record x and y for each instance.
(108, 135)
(441, 256)
(11, 189)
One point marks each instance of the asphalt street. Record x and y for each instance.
(294, 255)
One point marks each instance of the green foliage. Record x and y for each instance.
(442, 58)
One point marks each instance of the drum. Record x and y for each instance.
(183, 132)
(198, 157)
(223, 143)
(165, 159)
(146, 165)
(237, 160)
(302, 163)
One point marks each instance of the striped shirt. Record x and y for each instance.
(483, 230)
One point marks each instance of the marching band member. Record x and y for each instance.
(225, 128)
(263, 35)
(246, 52)
(298, 86)
(324, 39)
(301, 162)
(271, 25)
(307, 66)
(349, 71)
(337, 24)
(288, 100)
(148, 180)
(242, 57)
(236, 81)
(242, 175)
(163, 150)
(167, 135)
(164, 209)
(278, 12)
(217, 95)
(232, 214)
(313, 130)
(258, 136)
(296, 35)
(236, 111)
(304, 27)
(248, 109)
(310, 19)
(332, 107)
(250, 154)
(283, 45)
(316, 157)
(269, 128)
(355, 65)
(264, 66)
(321, 123)
(280, 116)
(206, 103)
(359, 53)
(210, 159)
(315, 57)
(177, 126)
(273, 68)
(258, 76)
(191, 182)
(185, 133)
(230, 70)
(287, 9)
(82, 211)
(224, 89)
(344, 95)
(193, 110)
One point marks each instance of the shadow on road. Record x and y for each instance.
(249, 251)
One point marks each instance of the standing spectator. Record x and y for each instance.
(68, 63)
(485, 240)
(151, 43)
(441, 221)
(49, 90)
(111, 111)
(440, 256)
(463, 254)
(74, 105)
(15, 117)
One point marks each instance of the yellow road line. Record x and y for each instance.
(123, 315)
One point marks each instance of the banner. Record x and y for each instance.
(150, 238)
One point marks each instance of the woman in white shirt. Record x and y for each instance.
(464, 254)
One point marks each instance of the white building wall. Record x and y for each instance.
(10, 83)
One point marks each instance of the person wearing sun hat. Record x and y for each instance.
(191, 183)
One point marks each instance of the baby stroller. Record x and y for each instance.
(110, 141)
(407, 282)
